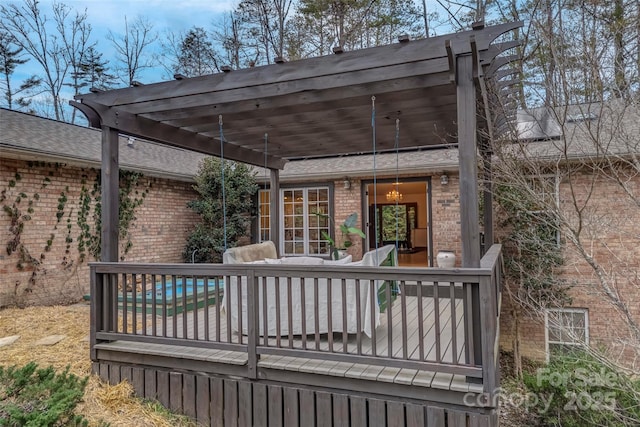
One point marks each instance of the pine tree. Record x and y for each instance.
(94, 72)
(196, 56)
(10, 58)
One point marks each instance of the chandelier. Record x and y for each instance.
(394, 196)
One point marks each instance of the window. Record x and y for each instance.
(264, 223)
(300, 228)
(566, 328)
(544, 202)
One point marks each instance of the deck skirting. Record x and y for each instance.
(226, 400)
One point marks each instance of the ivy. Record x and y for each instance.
(87, 237)
(62, 201)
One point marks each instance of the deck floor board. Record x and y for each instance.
(174, 327)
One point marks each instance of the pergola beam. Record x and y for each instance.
(142, 127)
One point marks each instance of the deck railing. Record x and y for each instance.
(434, 324)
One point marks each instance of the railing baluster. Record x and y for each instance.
(265, 317)
(454, 324)
(303, 311)
(420, 321)
(134, 304)
(290, 312)
(124, 304)
(194, 302)
(226, 280)
(154, 306)
(277, 295)
(113, 291)
(436, 305)
(143, 295)
(185, 322)
(468, 319)
(240, 312)
(228, 307)
(373, 301)
(252, 329)
(329, 315)
(387, 295)
(174, 299)
(403, 300)
(345, 335)
(205, 313)
(358, 318)
(164, 306)
(315, 312)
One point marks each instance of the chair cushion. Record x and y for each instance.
(254, 252)
(302, 260)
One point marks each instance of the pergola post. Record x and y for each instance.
(487, 184)
(468, 162)
(110, 182)
(469, 210)
(274, 207)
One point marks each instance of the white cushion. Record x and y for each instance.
(302, 260)
(355, 264)
(272, 261)
(345, 260)
(259, 261)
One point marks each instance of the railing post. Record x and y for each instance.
(473, 329)
(488, 325)
(252, 327)
(96, 296)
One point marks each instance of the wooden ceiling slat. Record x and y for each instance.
(404, 103)
(349, 62)
(315, 107)
(302, 91)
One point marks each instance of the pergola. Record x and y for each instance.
(443, 89)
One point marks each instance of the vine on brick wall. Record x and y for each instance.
(130, 199)
(88, 238)
(18, 220)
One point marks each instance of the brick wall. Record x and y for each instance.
(610, 240)
(445, 207)
(346, 202)
(445, 219)
(56, 274)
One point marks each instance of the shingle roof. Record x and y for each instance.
(27, 136)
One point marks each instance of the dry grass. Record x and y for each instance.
(102, 403)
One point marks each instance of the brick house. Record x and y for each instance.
(424, 183)
(39, 150)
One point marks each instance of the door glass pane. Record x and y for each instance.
(302, 226)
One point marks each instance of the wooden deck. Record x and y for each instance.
(419, 363)
(324, 367)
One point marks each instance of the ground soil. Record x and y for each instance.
(102, 403)
(116, 405)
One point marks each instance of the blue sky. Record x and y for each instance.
(105, 15)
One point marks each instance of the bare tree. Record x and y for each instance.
(133, 48)
(235, 47)
(32, 31)
(580, 133)
(75, 34)
(10, 58)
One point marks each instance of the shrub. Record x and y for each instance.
(39, 397)
(583, 390)
(207, 241)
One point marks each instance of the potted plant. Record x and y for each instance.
(347, 228)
